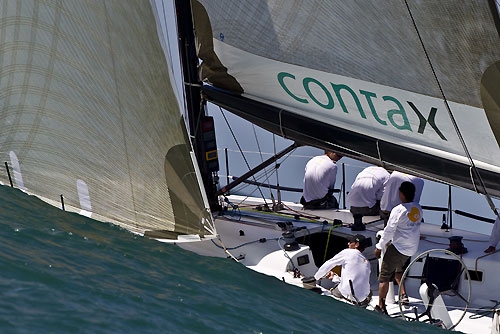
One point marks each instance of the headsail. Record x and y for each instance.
(356, 76)
(88, 111)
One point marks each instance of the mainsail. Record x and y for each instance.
(88, 114)
(384, 82)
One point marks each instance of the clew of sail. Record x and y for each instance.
(88, 111)
(357, 77)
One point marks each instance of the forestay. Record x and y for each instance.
(356, 76)
(88, 111)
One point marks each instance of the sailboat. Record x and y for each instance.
(91, 122)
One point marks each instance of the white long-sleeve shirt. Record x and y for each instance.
(403, 228)
(368, 187)
(495, 234)
(319, 176)
(390, 198)
(355, 267)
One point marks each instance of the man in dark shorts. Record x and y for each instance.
(401, 236)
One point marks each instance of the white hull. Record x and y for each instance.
(255, 241)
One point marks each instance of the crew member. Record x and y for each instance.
(366, 191)
(494, 237)
(355, 268)
(390, 197)
(403, 228)
(319, 182)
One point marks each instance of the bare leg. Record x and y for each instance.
(398, 276)
(383, 288)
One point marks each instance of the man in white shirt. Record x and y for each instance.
(390, 197)
(355, 268)
(403, 229)
(366, 191)
(494, 237)
(319, 181)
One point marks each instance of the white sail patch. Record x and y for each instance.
(18, 177)
(390, 114)
(84, 197)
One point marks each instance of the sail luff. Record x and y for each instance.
(89, 112)
(194, 105)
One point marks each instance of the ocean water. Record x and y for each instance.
(63, 273)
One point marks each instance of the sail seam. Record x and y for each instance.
(120, 109)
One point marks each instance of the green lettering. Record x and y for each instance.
(337, 88)
(423, 122)
(369, 96)
(282, 75)
(306, 83)
(391, 113)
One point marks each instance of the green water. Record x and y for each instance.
(63, 273)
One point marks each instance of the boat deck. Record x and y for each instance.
(255, 238)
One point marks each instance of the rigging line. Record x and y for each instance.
(237, 189)
(225, 249)
(262, 160)
(286, 253)
(379, 155)
(315, 221)
(246, 243)
(473, 183)
(239, 147)
(281, 127)
(453, 121)
(286, 157)
(276, 165)
(257, 177)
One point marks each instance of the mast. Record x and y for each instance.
(195, 106)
